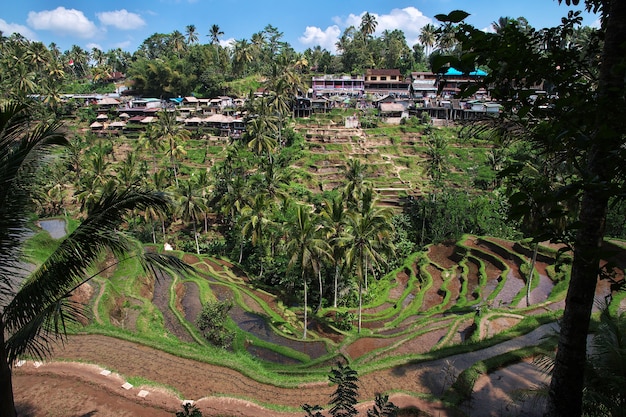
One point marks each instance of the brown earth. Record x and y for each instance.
(67, 386)
(76, 389)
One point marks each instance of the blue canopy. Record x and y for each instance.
(454, 71)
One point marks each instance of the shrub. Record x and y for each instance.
(212, 323)
(189, 410)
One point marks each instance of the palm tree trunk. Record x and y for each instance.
(153, 233)
(195, 235)
(529, 279)
(336, 284)
(7, 405)
(319, 278)
(305, 306)
(360, 304)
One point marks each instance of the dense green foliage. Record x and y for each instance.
(211, 323)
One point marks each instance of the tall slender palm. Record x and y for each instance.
(334, 219)
(368, 25)
(150, 141)
(177, 43)
(260, 131)
(191, 206)
(171, 131)
(427, 37)
(355, 173)
(215, 34)
(368, 240)
(191, 34)
(307, 248)
(242, 56)
(34, 307)
(256, 222)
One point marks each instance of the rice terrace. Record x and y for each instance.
(426, 219)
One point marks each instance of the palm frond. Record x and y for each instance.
(38, 300)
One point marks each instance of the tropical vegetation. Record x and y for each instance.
(540, 170)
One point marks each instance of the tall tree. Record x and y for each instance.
(215, 34)
(191, 34)
(335, 221)
(170, 131)
(591, 145)
(307, 249)
(191, 206)
(427, 37)
(368, 240)
(368, 25)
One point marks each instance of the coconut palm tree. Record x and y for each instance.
(260, 131)
(177, 42)
(191, 206)
(191, 34)
(34, 307)
(215, 34)
(242, 56)
(355, 173)
(427, 37)
(169, 130)
(150, 141)
(255, 223)
(368, 240)
(368, 25)
(307, 249)
(334, 220)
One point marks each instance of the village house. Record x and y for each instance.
(337, 85)
(384, 82)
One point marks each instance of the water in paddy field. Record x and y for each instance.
(56, 227)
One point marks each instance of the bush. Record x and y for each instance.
(189, 410)
(344, 320)
(212, 323)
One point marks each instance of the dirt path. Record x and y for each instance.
(209, 384)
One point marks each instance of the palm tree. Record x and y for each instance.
(191, 206)
(501, 23)
(34, 307)
(242, 56)
(177, 42)
(307, 248)
(215, 33)
(255, 222)
(334, 220)
(356, 181)
(437, 151)
(259, 131)
(171, 131)
(368, 25)
(427, 37)
(150, 141)
(192, 34)
(369, 233)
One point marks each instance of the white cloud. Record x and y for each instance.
(325, 38)
(227, 43)
(63, 21)
(121, 19)
(123, 44)
(10, 28)
(92, 45)
(410, 20)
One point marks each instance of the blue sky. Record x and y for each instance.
(125, 24)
